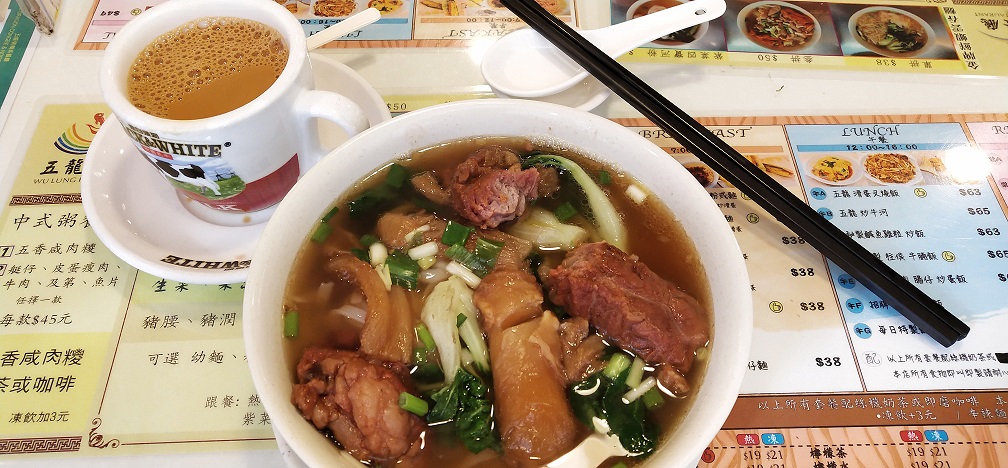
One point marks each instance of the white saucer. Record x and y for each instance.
(139, 217)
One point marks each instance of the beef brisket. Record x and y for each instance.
(490, 187)
(630, 304)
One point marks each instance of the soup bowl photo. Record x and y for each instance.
(719, 270)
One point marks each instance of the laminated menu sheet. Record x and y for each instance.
(17, 36)
(963, 37)
(836, 378)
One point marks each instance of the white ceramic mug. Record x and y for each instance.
(239, 162)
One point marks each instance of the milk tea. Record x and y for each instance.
(206, 67)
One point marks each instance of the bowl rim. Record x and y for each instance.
(294, 218)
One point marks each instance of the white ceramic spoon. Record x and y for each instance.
(592, 451)
(525, 64)
(348, 25)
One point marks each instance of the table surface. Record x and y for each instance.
(792, 391)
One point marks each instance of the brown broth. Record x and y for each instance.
(653, 234)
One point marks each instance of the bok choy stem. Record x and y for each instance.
(607, 220)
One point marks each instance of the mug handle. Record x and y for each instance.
(330, 106)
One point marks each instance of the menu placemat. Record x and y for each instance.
(836, 378)
(966, 37)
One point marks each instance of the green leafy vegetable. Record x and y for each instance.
(466, 402)
(598, 396)
(585, 399)
(607, 220)
(544, 229)
(627, 420)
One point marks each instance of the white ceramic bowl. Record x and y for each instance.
(587, 133)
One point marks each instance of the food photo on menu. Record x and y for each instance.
(807, 28)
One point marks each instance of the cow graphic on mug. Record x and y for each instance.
(205, 178)
(188, 174)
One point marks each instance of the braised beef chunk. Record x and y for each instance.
(629, 304)
(357, 398)
(582, 350)
(490, 187)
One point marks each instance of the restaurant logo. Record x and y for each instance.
(77, 138)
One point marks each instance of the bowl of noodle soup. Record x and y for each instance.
(891, 32)
(706, 262)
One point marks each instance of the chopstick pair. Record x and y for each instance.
(924, 312)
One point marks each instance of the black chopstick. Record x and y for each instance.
(924, 312)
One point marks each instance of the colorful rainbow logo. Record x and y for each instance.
(77, 138)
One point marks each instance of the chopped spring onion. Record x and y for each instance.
(653, 398)
(455, 233)
(637, 194)
(619, 465)
(412, 235)
(636, 373)
(385, 275)
(423, 334)
(565, 212)
(640, 390)
(330, 214)
(480, 261)
(377, 252)
(403, 269)
(290, 324)
(427, 262)
(321, 233)
(617, 364)
(488, 250)
(460, 319)
(604, 178)
(464, 257)
(429, 249)
(413, 404)
(457, 269)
